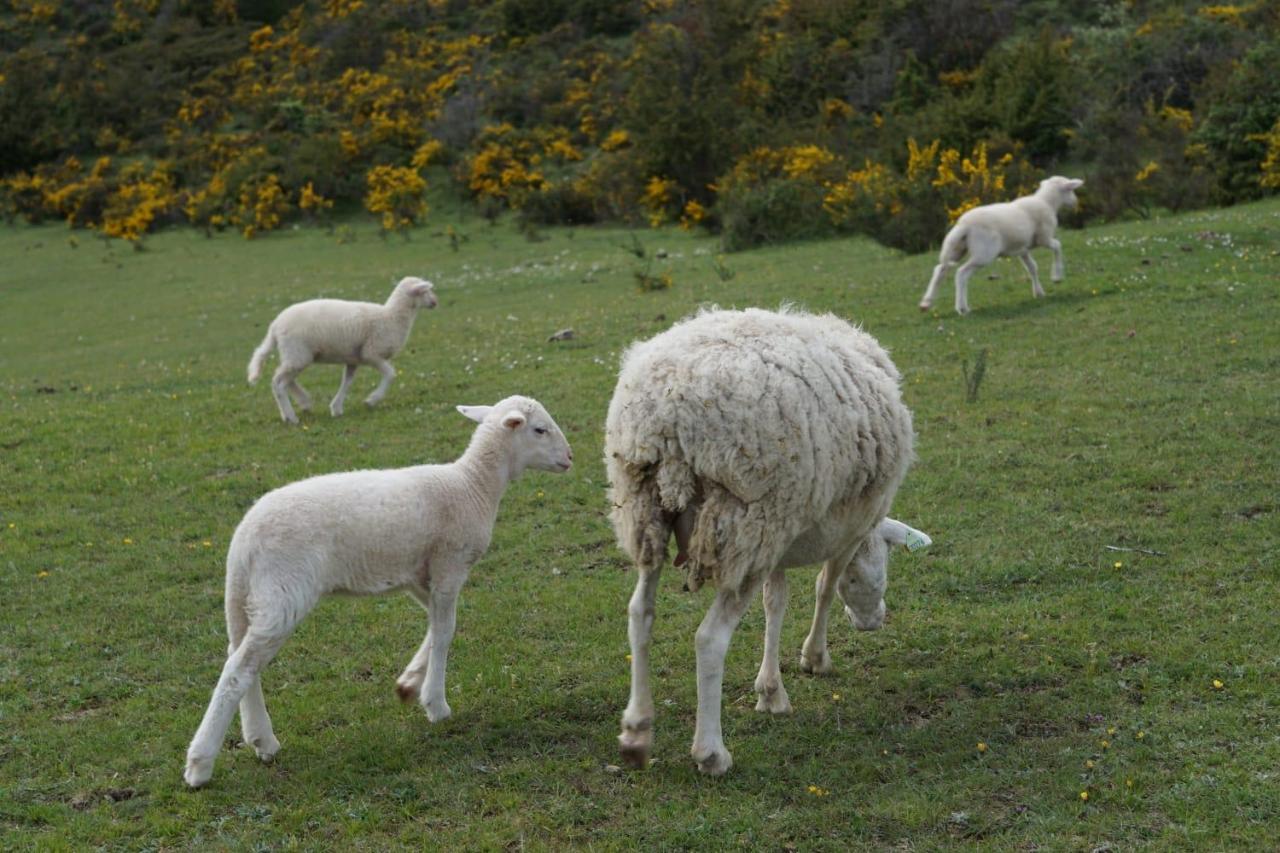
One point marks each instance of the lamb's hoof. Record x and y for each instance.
(817, 664)
(714, 762)
(335, 411)
(372, 401)
(408, 689)
(874, 622)
(925, 306)
(290, 419)
(198, 771)
(265, 747)
(437, 712)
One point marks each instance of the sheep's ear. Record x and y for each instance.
(893, 532)
(1075, 183)
(476, 413)
(513, 420)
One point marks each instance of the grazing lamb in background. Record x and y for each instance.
(1011, 228)
(763, 441)
(416, 529)
(337, 331)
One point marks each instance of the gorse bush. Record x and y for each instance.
(664, 111)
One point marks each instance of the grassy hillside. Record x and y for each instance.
(1135, 407)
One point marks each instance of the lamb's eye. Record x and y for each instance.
(540, 430)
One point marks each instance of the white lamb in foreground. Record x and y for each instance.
(1011, 229)
(762, 441)
(416, 529)
(337, 331)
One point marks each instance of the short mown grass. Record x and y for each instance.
(1032, 687)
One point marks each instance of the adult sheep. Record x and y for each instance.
(1011, 229)
(763, 440)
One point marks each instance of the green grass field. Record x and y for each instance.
(1120, 698)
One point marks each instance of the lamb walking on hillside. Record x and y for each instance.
(763, 441)
(416, 529)
(337, 331)
(1012, 229)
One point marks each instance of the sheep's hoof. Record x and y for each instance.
(774, 701)
(265, 747)
(437, 712)
(874, 622)
(815, 663)
(714, 762)
(198, 771)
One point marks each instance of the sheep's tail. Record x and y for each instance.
(260, 355)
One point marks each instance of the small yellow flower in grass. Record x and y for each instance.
(541, 493)
(126, 540)
(304, 427)
(1119, 565)
(1128, 783)
(835, 697)
(1084, 795)
(1089, 764)
(1111, 730)
(1104, 743)
(1140, 735)
(207, 543)
(982, 747)
(42, 574)
(818, 792)
(12, 525)
(628, 658)
(1218, 685)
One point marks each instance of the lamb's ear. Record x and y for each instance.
(1075, 183)
(513, 419)
(476, 413)
(420, 286)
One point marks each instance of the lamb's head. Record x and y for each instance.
(420, 292)
(1060, 192)
(535, 439)
(862, 587)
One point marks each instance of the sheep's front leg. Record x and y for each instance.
(712, 644)
(348, 373)
(814, 656)
(773, 695)
(1059, 270)
(636, 739)
(1032, 270)
(388, 373)
(442, 609)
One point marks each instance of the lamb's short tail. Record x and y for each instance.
(260, 355)
(954, 245)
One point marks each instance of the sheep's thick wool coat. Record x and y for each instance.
(783, 432)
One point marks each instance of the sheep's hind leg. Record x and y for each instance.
(388, 373)
(814, 656)
(769, 687)
(1032, 270)
(636, 739)
(348, 373)
(712, 643)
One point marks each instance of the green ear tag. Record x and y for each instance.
(917, 540)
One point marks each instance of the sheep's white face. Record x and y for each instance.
(1065, 189)
(422, 291)
(536, 439)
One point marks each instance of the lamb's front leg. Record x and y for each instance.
(773, 695)
(388, 373)
(712, 644)
(636, 739)
(1059, 270)
(348, 373)
(409, 684)
(442, 608)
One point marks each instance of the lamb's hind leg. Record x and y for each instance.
(1059, 270)
(773, 695)
(712, 643)
(280, 383)
(409, 684)
(636, 739)
(926, 301)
